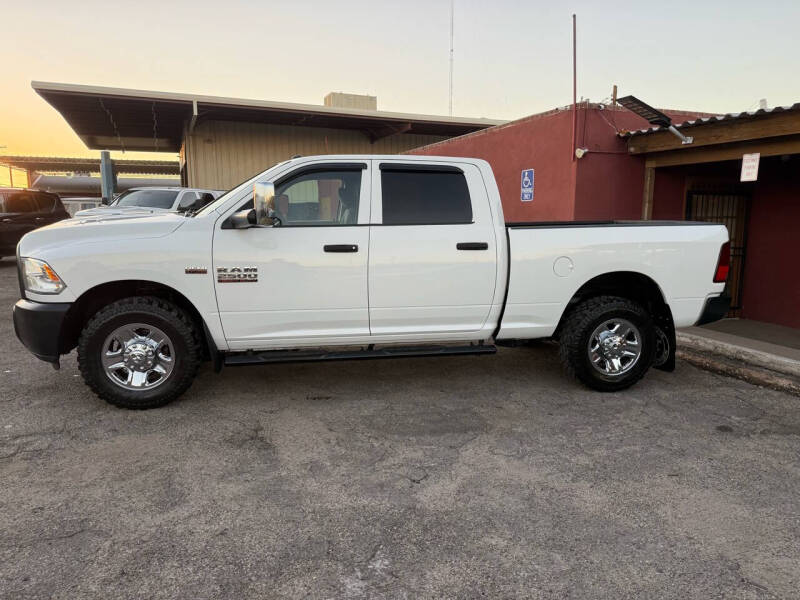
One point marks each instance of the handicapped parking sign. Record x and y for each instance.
(526, 194)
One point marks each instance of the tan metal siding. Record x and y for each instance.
(222, 154)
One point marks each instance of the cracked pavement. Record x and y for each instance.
(459, 477)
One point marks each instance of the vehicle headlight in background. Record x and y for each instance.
(40, 278)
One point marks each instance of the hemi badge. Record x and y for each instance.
(195, 270)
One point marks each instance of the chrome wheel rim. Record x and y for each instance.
(138, 357)
(614, 348)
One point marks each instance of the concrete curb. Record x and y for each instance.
(753, 366)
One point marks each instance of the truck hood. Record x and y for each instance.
(108, 211)
(95, 229)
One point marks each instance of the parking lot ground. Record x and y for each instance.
(463, 477)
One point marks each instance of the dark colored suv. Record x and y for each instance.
(22, 211)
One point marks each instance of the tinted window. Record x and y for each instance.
(148, 198)
(425, 198)
(45, 202)
(20, 202)
(319, 198)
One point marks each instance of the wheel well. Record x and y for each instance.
(94, 299)
(625, 284)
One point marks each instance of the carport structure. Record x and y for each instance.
(701, 181)
(223, 140)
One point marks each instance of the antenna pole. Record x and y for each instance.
(574, 88)
(450, 107)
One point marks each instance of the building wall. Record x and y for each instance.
(222, 154)
(607, 183)
(772, 271)
(540, 142)
(669, 194)
(610, 182)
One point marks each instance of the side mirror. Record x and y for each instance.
(264, 202)
(244, 219)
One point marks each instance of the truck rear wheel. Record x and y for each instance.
(139, 352)
(608, 343)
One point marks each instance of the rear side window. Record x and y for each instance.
(428, 197)
(45, 202)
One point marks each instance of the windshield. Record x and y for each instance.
(147, 198)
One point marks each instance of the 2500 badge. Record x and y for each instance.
(237, 274)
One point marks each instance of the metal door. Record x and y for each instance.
(730, 210)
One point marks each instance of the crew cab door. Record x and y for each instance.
(433, 252)
(303, 282)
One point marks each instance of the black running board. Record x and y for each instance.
(290, 356)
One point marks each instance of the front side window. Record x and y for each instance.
(424, 197)
(148, 198)
(20, 202)
(328, 197)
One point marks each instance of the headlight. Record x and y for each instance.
(40, 278)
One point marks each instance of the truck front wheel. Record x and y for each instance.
(608, 343)
(140, 352)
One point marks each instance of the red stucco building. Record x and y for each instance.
(630, 171)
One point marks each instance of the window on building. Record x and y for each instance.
(425, 197)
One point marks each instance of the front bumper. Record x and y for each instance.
(715, 309)
(38, 326)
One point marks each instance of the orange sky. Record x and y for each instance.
(512, 58)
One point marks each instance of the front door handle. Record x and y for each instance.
(340, 248)
(472, 246)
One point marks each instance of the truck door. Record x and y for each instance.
(433, 256)
(305, 281)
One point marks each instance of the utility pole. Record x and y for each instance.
(450, 107)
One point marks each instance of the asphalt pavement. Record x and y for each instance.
(464, 477)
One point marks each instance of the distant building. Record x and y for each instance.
(223, 141)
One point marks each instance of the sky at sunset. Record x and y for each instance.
(511, 58)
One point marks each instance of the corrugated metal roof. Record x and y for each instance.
(717, 118)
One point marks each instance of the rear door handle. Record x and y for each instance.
(340, 248)
(472, 246)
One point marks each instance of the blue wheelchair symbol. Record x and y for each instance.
(527, 185)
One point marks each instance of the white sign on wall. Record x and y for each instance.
(526, 194)
(750, 167)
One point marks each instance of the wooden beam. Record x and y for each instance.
(722, 132)
(193, 120)
(774, 147)
(647, 196)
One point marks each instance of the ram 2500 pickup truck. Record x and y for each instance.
(335, 257)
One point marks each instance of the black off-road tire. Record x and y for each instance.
(579, 326)
(172, 320)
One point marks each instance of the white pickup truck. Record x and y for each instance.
(336, 257)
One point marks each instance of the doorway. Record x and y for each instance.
(731, 210)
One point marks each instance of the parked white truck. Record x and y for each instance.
(336, 257)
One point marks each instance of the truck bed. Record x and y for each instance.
(556, 224)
